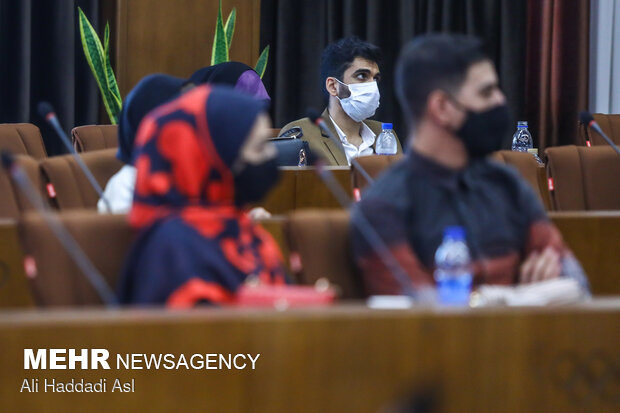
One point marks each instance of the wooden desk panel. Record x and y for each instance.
(301, 188)
(342, 359)
(281, 198)
(311, 192)
(14, 289)
(594, 237)
(275, 227)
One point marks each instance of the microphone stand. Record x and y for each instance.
(367, 230)
(47, 112)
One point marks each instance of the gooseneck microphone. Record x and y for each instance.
(587, 119)
(46, 111)
(315, 117)
(76, 253)
(367, 230)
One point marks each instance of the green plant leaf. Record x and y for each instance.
(95, 55)
(261, 64)
(111, 79)
(112, 85)
(229, 27)
(219, 53)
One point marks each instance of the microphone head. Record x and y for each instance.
(313, 114)
(585, 117)
(44, 109)
(7, 159)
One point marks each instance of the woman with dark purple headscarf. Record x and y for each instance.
(153, 91)
(238, 75)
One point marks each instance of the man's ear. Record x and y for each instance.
(441, 109)
(332, 86)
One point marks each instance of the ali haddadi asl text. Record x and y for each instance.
(76, 386)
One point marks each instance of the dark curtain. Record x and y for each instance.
(557, 68)
(298, 30)
(42, 60)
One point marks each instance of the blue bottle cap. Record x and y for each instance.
(454, 232)
(386, 126)
(522, 124)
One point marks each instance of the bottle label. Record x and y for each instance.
(454, 290)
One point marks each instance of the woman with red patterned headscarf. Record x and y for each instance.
(200, 158)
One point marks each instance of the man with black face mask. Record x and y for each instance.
(449, 91)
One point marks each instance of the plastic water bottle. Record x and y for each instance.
(453, 272)
(522, 140)
(386, 142)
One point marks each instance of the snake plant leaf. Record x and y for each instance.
(112, 85)
(95, 55)
(229, 27)
(219, 53)
(261, 64)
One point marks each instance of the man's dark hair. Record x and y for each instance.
(338, 57)
(431, 62)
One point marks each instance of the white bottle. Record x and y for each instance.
(386, 141)
(453, 272)
(522, 141)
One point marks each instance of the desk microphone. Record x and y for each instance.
(587, 119)
(367, 230)
(315, 117)
(76, 253)
(46, 111)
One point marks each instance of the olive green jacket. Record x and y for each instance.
(322, 146)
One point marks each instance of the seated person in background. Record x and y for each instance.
(200, 158)
(349, 73)
(152, 91)
(235, 74)
(449, 91)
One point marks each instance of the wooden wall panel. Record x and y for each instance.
(175, 37)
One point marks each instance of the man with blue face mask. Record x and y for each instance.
(349, 76)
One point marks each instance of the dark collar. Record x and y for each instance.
(449, 178)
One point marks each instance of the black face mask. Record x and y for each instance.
(254, 181)
(485, 132)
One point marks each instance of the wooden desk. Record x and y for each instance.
(594, 237)
(300, 187)
(341, 359)
(275, 227)
(14, 289)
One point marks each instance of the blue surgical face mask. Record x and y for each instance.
(363, 101)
